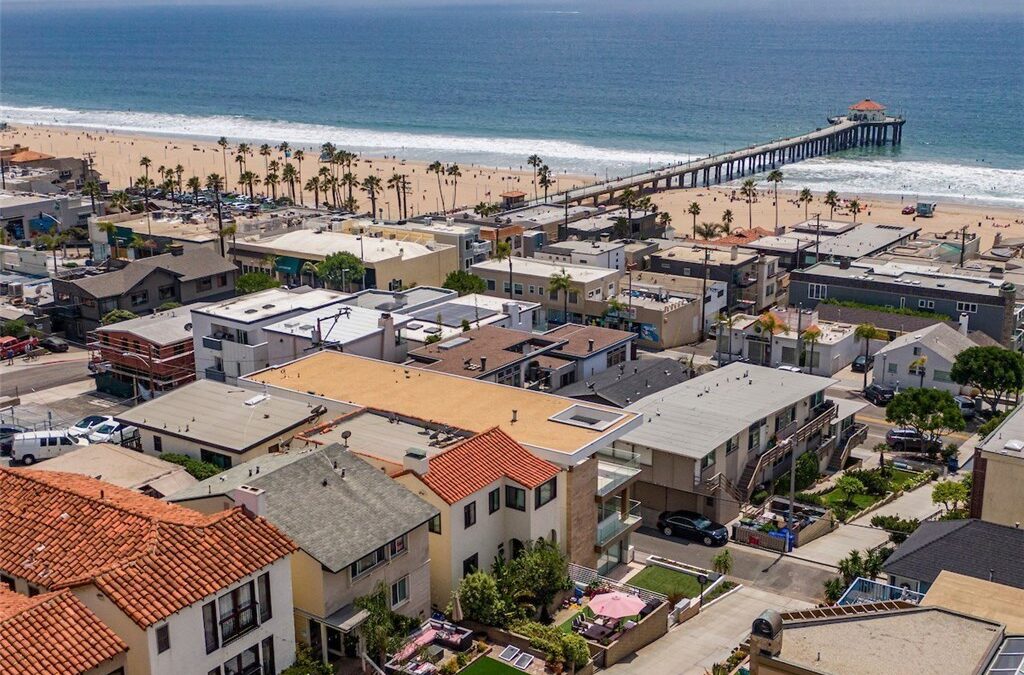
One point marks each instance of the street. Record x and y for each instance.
(21, 378)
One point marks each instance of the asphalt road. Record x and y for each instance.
(24, 380)
(764, 570)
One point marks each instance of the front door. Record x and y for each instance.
(335, 644)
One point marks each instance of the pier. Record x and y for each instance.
(865, 124)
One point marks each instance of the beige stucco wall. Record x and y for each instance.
(192, 448)
(1004, 477)
(425, 270)
(137, 660)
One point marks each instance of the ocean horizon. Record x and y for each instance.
(586, 90)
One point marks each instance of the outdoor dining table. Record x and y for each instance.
(596, 632)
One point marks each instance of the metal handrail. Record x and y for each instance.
(784, 445)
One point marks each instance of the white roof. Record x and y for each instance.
(546, 268)
(161, 328)
(319, 245)
(695, 417)
(270, 303)
(939, 338)
(585, 246)
(340, 323)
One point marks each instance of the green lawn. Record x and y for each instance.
(899, 479)
(667, 582)
(489, 666)
(838, 497)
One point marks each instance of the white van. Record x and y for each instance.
(33, 446)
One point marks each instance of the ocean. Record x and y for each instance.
(601, 91)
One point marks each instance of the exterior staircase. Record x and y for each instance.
(842, 451)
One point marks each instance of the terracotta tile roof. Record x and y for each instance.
(28, 156)
(479, 461)
(867, 105)
(52, 634)
(149, 557)
(740, 237)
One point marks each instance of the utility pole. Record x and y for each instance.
(963, 244)
(817, 238)
(704, 290)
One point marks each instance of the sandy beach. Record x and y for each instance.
(117, 157)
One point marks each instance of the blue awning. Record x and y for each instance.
(288, 265)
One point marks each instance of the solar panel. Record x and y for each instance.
(453, 314)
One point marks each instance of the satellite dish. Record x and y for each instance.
(346, 434)
(188, 326)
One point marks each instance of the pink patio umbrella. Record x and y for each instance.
(616, 605)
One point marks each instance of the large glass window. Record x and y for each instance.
(237, 612)
(246, 663)
(493, 500)
(399, 592)
(469, 514)
(268, 656)
(434, 524)
(368, 562)
(515, 498)
(218, 460)
(545, 493)
(263, 583)
(210, 626)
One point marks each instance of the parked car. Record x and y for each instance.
(908, 210)
(31, 446)
(84, 426)
(693, 526)
(54, 344)
(790, 369)
(112, 432)
(967, 406)
(879, 394)
(862, 363)
(908, 440)
(7, 432)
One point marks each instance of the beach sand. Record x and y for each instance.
(117, 158)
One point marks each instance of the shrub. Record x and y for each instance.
(71, 264)
(13, 328)
(557, 645)
(759, 497)
(873, 481)
(449, 667)
(990, 426)
(462, 658)
(117, 316)
(480, 599)
(575, 650)
(809, 498)
(196, 468)
(307, 664)
(899, 528)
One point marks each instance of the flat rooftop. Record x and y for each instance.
(908, 275)
(221, 416)
(160, 328)
(319, 245)
(202, 228)
(583, 247)
(925, 641)
(697, 416)
(339, 324)
(478, 310)
(604, 219)
(831, 332)
(11, 200)
(977, 597)
(716, 256)
(1008, 438)
(271, 303)
(578, 338)
(405, 301)
(561, 427)
(122, 467)
(545, 268)
(545, 214)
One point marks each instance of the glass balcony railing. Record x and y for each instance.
(211, 343)
(867, 590)
(215, 375)
(613, 474)
(616, 523)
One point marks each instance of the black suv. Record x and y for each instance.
(694, 526)
(879, 394)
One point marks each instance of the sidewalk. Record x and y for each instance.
(21, 363)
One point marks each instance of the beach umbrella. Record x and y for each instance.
(616, 605)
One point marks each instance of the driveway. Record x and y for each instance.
(708, 638)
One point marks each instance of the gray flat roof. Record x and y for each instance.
(220, 415)
(406, 301)
(271, 302)
(697, 416)
(339, 323)
(1010, 429)
(909, 275)
(161, 328)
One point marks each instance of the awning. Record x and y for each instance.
(845, 407)
(347, 619)
(288, 265)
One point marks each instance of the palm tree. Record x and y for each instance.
(244, 150)
(371, 186)
(350, 204)
(313, 185)
(145, 163)
(120, 201)
(503, 251)
(110, 230)
(92, 190)
(454, 171)
(328, 184)
(544, 179)
(52, 242)
(438, 169)
(309, 267)
(811, 336)
(665, 219)
(194, 185)
(770, 323)
(142, 247)
(748, 190)
(854, 207)
(866, 332)
(349, 182)
(223, 143)
(722, 563)
(214, 182)
(289, 175)
(775, 177)
(247, 180)
(873, 562)
(727, 218)
(562, 282)
(628, 200)
(806, 197)
(240, 160)
(535, 161)
(223, 233)
(265, 152)
(275, 166)
(298, 156)
(618, 308)
(283, 148)
(395, 183)
(831, 201)
(694, 210)
(706, 230)
(725, 321)
(919, 365)
(271, 180)
(179, 171)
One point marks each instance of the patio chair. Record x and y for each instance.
(509, 654)
(524, 661)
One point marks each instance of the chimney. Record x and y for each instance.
(765, 636)
(483, 364)
(415, 460)
(844, 264)
(512, 309)
(590, 345)
(964, 321)
(252, 499)
(386, 323)
(176, 249)
(734, 252)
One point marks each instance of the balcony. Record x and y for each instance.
(215, 375)
(212, 343)
(863, 591)
(616, 523)
(615, 469)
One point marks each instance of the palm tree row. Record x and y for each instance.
(451, 170)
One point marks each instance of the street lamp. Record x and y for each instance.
(135, 379)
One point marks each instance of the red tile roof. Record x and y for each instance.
(867, 105)
(28, 156)
(52, 634)
(740, 237)
(477, 462)
(149, 557)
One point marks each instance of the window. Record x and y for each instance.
(214, 671)
(158, 444)
(469, 514)
(817, 291)
(165, 292)
(470, 564)
(732, 445)
(573, 298)
(222, 280)
(916, 369)
(969, 307)
(7, 581)
(505, 286)
(893, 368)
(268, 656)
(246, 663)
(237, 612)
(204, 284)
(398, 546)
(163, 639)
(917, 351)
(553, 294)
(517, 289)
(490, 284)
(399, 592)
(434, 524)
(368, 562)
(926, 304)
(616, 356)
(139, 298)
(493, 500)
(941, 376)
(545, 493)
(215, 458)
(210, 626)
(533, 289)
(263, 585)
(707, 460)
(515, 498)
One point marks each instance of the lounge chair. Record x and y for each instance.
(509, 654)
(524, 661)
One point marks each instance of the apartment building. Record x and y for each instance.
(561, 431)
(186, 592)
(608, 254)
(450, 317)
(164, 231)
(755, 280)
(461, 235)
(146, 356)
(922, 358)
(25, 215)
(616, 224)
(707, 443)
(998, 472)
(815, 240)
(322, 498)
(346, 328)
(229, 336)
(140, 286)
